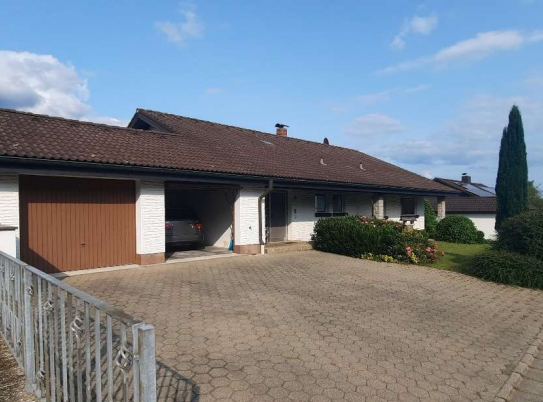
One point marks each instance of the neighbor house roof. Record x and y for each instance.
(471, 204)
(194, 145)
(468, 188)
(476, 197)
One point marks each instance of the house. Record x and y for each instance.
(476, 202)
(86, 195)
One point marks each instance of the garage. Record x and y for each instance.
(199, 218)
(76, 223)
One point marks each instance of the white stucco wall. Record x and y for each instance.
(150, 217)
(246, 216)
(483, 222)
(9, 204)
(302, 209)
(393, 209)
(302, 219)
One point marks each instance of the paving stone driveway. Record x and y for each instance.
(320, 327)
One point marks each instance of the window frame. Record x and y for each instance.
(325, 210)
(342, 199)
(413, 200)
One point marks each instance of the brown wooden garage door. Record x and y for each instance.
(73, 223)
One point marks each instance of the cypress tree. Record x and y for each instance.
(512, 180)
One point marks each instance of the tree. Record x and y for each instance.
(512, 180)
(430, 219)
(535, 200)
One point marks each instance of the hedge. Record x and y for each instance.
(522, 234)
(372, 238)
(507, 268)
(457, 229)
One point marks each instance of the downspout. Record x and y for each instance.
(260, 231)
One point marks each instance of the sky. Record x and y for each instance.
(426, 85)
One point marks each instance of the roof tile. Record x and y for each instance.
(198, 145)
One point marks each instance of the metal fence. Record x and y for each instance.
(71, 346)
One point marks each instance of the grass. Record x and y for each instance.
(456, 254)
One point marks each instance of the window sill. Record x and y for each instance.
(328, 214)
(409, 218)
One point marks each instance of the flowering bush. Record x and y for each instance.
(374, 239)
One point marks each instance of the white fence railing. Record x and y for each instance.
(71, 346)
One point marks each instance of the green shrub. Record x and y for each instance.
(481, 237)
(457, 229)
(522, 234)
(372, 239)
(508, 268)
(430, 219)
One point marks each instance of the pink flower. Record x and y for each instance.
(428, 249)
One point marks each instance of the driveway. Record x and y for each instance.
(320, 327)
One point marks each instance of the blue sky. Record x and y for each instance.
(425, 85)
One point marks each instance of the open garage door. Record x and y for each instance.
(203, 205)
(77, 223)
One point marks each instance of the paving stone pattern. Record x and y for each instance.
(310, 326)
(530, 387)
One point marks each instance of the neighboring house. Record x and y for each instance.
(88, 195)
(477, 202)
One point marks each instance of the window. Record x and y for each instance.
(337, 204)
(320, 203)
(408, 206)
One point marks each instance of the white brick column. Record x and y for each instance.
(9, 205)
(441, 208)
(379, 206)
(150, 222)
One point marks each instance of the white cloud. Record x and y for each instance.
(423, 25)
(371, 99)
(213, 91)
(180, 32)
(42, 84)
(481, 46)
(385, 96)
(374, 124)
(468, 141)
(417, 25)
(418, 88)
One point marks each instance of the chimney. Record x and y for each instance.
(281, 130)
(466, 179)
(326, 142)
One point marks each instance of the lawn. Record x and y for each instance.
(457, 254)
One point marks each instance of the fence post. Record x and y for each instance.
(147, 362)
(29, 357)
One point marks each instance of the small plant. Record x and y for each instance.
(379, 257)
(457, 229)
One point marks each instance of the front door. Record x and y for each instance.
(278, 216)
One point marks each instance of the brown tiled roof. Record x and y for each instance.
(468, 204)
(198, 145)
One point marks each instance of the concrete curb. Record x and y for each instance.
(505, 391)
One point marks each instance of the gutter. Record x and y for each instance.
(260, 231)
(133, 171)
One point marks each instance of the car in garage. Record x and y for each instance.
(184, 228)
